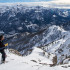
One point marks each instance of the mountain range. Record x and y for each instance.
(26, 27)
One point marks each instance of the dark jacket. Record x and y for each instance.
(2, 46)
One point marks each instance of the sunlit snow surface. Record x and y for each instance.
(16, 62)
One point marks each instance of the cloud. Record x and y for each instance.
(48, 3)
(61, 1)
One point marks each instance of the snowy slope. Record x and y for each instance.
(60, 47)
(31, 62)
(54, 40)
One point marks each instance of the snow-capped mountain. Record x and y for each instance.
(53, 40)
(23, 17)
(29, 28)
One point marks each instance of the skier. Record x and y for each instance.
(2, 47)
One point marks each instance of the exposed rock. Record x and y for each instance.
(14, 52)
(54, 60)
(66, 61)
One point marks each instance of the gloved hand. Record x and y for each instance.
(6, 44)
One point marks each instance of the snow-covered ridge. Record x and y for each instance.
(60, 47)
(42, 57)
(35, 61)
(53, 41)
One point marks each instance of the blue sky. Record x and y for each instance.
(3, 1)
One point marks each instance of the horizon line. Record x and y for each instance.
(23, 2)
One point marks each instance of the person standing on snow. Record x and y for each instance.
(2, 47)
